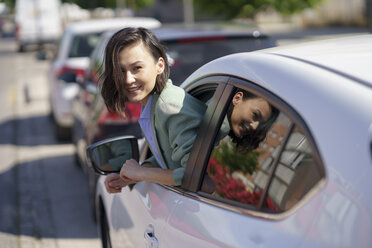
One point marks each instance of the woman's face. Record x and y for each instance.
(248, 114)
(140, 72)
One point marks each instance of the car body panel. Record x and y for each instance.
(149, 203)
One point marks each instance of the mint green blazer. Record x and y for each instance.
(175, 120)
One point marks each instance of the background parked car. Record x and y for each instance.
(188, 49)
(77, 43)
(306, 185)
(38, 22)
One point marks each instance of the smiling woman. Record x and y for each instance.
(137, 70)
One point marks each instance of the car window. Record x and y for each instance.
(295, 174)
(270, 169)
(83, 45)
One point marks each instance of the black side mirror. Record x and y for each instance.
(107, 156)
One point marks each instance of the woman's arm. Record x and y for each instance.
(147, 172)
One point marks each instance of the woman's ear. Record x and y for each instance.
(160, 65)
(237, 98)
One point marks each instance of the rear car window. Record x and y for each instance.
(83, 45)
(188, 55)
(273, 177)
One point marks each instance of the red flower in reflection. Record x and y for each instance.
(234, 189)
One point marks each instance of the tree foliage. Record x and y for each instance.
(248, 8)
(229, 157)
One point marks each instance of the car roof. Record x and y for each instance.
(100, 25)
(188, 34)
(169, 33)
(350, 56)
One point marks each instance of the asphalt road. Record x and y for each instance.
(43, 193)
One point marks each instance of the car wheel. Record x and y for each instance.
(104, 228)
(62, 133)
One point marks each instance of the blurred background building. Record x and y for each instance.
(326, 13)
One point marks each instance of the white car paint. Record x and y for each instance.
(37, 22)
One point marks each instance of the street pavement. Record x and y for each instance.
(44, 194)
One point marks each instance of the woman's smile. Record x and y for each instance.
(134, 89)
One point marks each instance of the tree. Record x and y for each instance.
(230, 9)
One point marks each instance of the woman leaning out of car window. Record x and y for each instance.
(137, 70)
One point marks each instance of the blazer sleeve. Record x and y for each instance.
(181, 115)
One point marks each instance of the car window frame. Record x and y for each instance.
(189, 181)
(200, 154)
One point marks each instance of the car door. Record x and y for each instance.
(139, 214)
(262, 197)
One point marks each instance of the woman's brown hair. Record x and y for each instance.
(112, 80)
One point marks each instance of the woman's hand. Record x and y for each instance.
(131, 170)
(114, 183)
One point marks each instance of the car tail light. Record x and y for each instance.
(94, 76)
(132, 114)
(17, 30)
(79, 73)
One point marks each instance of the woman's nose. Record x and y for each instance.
(129, 78)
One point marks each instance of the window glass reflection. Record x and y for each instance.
(241, 165)
(296, 173)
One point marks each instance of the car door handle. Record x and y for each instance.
(150, 240)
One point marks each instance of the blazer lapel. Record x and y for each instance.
(154, 100)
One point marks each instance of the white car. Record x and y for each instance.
(306, 185)
(38, 22)
(77, 43)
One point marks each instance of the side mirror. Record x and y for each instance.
(107, 156)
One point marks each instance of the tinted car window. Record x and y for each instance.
(281, 176)
(83, 45)
(188, 55)
(295, 174)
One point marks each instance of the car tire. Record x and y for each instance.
(62, 133)
(104, 229)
